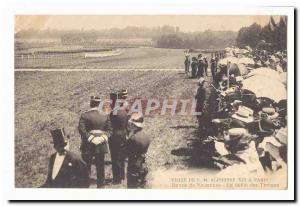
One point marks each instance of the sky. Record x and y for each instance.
(186, 23)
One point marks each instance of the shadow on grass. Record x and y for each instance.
(199, 151)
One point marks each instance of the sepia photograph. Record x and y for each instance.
(151, 101)
(148, 102)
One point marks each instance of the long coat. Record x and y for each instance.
(200, 72)
(200, 98)
(194, 69)
(92, 120)
(72, 174)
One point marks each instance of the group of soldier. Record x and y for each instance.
(119, 132)
(199, 65)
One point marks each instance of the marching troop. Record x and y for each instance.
(119, 133)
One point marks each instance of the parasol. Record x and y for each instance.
(238, 69)
(266, 72)
(263, 86)
(283, 78)
(228, 59)
(246, 61)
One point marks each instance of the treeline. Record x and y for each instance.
(273, 35)
(164, 36)
(198, 40)
(127, 32)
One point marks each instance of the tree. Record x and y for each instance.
(249, 35)
(274, 34)
(170, 41)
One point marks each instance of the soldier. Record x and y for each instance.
(200, 72)
(194, 67)
(200, 98)
(65, 170)
(117, 141)
(137, 146)
(187, 64)
(93, 127)
(205, 65)
(217, 58)
(213, 68)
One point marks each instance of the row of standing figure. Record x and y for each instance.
(199, 66)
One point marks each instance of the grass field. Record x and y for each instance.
(48, 99)
(134, 58)
(44, 100)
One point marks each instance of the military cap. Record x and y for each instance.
(95, 99)
(119, 94)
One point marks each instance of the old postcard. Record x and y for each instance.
(152, 102)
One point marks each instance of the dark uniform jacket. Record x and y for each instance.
(194, 68)
(200, 71)
(72, 174)
(213, 67)
(200, 98)
(138, 143)
(92, 120)
(119, 121)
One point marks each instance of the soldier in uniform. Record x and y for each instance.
(65, 170)
(200, 99)
(213, 68)
(194, 67)
(187, 64)
(93, 128)
(117, 141)
(137, 146)
(200, 72)
(205, 65)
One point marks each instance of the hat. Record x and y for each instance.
(265, 102)
(118, 94)
(95, 99)
(268, 110)
(236, 103)
(266, 125)
(201, 81)
(58, 136)
(123, 93)
(237, 131)
(271, 112)
(244, 114)
(137, 119)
